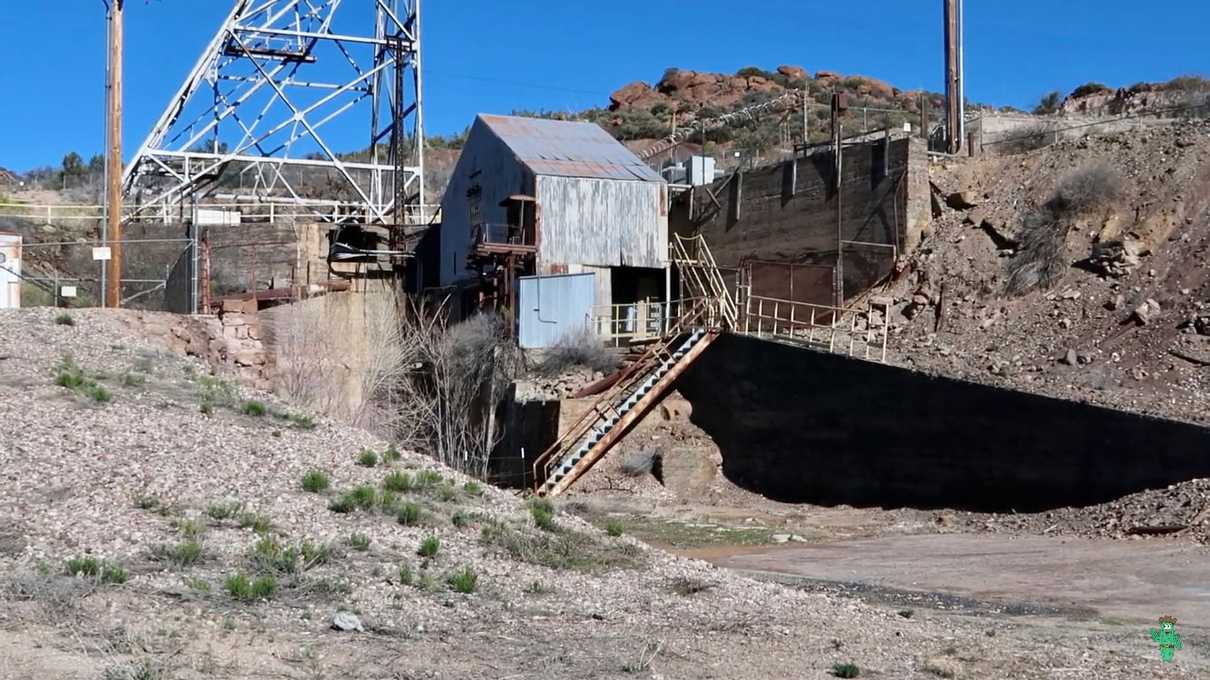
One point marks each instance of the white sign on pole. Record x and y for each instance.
(67, 291)
(101, 253)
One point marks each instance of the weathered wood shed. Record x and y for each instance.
(601, 209)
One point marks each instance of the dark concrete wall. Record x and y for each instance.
(804, 426)
(788, 212)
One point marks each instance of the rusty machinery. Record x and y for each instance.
(502, 253)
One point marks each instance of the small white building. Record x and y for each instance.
(10, 271)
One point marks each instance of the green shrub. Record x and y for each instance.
(429, 547)
(133, 379)
(314, 554)
(367, 458)
(183, 554)
(342, 504)
(64, 320)
(190, 528)
(101, 571)
(392, 455)
(1049, 104)
(560, 550)
(256, 522)
(269, 556)
(243, 589)
(301, 421)
(846, 670)
(543, 512)
(427, 479)
(253, 408)
(1089, 88)
(473, 488)
(464, 580)
(398, 482)
(406, 577)
(409, 514)
(460, 519)
(98, 393)
(537, 588)
(146, 502)
(615, 527)
(315, 481)
(364, 496)
(447, 492)
(359, 542)
(224, 510)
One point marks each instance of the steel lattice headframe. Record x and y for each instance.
(249, 123)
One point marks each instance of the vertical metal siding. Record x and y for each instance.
(601, 222)
(499, 176)
(551, 306)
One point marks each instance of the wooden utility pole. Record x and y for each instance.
(113, 173)
(953, 76)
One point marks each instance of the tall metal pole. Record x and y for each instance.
(113, 191)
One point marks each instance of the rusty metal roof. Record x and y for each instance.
(568, 149)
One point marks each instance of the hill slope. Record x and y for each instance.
(138, 479)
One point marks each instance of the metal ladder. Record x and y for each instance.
(589, 440)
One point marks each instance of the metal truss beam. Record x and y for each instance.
(318, 103)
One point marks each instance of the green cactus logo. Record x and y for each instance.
(1167, 638)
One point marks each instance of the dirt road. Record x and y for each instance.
(1079, 582)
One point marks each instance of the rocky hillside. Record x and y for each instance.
(1099, 99)
(641, 110)
(1078, 270)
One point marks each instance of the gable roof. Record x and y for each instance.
(568, 149)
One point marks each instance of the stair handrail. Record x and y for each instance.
(633, 375)
(704, 274)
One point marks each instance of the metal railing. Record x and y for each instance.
(701, 273)
(852, 331)
(258, 213)
(696, 313)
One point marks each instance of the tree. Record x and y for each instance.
(96, 165)
(1049, 104)
(73, 165)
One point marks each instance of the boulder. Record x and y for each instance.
(1072, 358)
(795, 73)
(1147, 312)
(761, 84)
(830, 76)
(630, 94)
(1116, 258)
(347, 622)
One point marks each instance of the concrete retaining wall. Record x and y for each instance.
(804, 426)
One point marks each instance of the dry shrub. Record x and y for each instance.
(1029, 138)
(578, 347)
(1086, 188)
(1042, 257)
(340, 355)
(459, 376)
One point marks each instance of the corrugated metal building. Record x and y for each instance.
(601, 210)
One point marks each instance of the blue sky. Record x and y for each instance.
(487, 55)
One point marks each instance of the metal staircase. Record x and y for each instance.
(701, 275)
(641, 387)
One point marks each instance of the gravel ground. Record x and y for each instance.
(79, 477)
